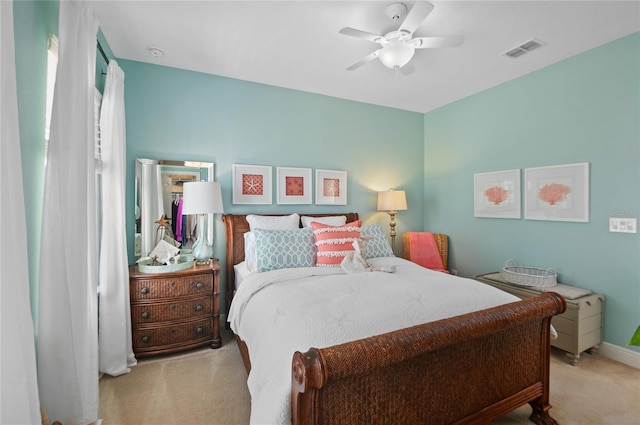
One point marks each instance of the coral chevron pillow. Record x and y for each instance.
(334, 242)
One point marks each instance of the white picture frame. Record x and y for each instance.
(497, 194)
(252, 184)
(557, 193)
(331, 187)
(294, 186)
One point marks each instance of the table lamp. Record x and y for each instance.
(392, 201)
(201, 198)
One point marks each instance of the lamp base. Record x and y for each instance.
(392, 225)
(201, 250)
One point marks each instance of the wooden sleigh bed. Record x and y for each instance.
(467, 369)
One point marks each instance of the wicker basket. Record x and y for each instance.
(528, 276)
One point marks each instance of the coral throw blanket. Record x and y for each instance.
(424, 251)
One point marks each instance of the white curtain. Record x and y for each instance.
(152, 204)
(116, 352)
(19, 396)
(68, 318)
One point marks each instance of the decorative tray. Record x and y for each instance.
(184, 263)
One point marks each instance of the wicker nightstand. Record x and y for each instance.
(579, 327)
(172, 312)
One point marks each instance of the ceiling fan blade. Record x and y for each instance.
(435, 42)
(361, 34)
(418, 13)
(364, 60)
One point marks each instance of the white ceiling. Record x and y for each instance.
(296, 44)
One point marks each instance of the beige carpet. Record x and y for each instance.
(208, 386)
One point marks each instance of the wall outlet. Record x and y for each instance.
(623, 225)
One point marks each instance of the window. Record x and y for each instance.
(52, 67)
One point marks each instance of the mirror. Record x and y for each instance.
(158, 191)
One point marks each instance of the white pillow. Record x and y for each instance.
(334, 220)
(250, 251)
(241, 272)
(277, 222)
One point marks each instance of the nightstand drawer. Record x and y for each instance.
(151, 338)
(174, 310)
(564, 325)
(588, 306)
(172, 287)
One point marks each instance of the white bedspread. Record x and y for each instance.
(282, 311)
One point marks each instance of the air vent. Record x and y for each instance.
(525, 47)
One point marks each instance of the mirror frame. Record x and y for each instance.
(209, 166)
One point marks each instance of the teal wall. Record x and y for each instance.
(184, 115)
(583, 109)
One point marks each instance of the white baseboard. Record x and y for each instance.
(620, 354)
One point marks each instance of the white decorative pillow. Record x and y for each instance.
(275, 222)
(378, 245)
(250, 254)
(334, 220)
(285, 249)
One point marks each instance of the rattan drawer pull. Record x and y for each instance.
(199, 307)
(145, 314)
(145, 338)
(199, 285)
(144, 290)
(199, 330)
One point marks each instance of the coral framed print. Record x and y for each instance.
(294, 185)
(497, 194)
(558, 193)
(331, 187)
(251, 184)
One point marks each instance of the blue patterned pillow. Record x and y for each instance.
(285, 249)
(378, 246)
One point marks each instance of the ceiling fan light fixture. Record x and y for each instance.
(396, 54)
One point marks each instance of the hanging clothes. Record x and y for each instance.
(179, 220)
(174, 218)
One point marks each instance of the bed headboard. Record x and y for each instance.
(236, 226)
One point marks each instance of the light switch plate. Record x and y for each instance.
(623, 225)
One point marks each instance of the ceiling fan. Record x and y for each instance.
(397, 47)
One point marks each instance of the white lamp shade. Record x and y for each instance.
(392, 200)
(396, 54)
(201, 198)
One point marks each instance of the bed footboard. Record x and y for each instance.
(468, 369)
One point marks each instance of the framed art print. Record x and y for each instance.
(558, 193)
(294, 185)
(251, 184)
(497, 194)
(331, 187)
